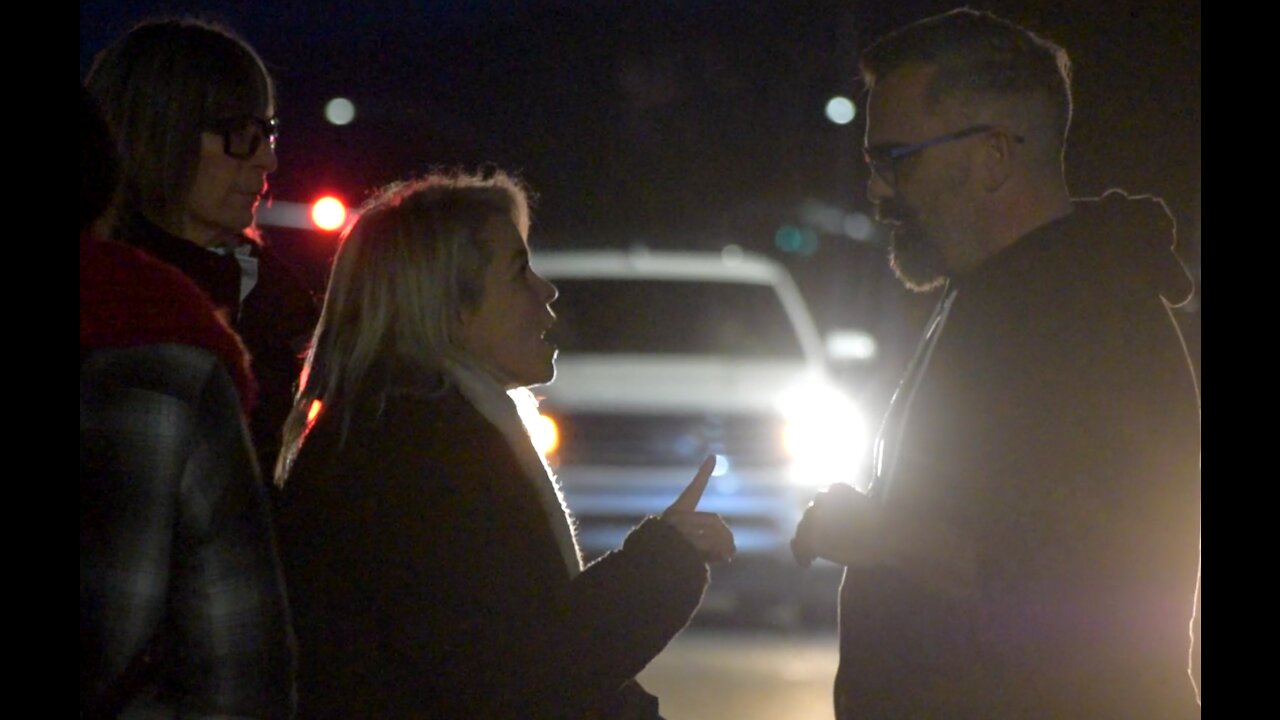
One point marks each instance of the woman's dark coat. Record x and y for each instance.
(426, 580)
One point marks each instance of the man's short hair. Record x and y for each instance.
(982, 57)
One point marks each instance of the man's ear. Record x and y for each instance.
(996, 164)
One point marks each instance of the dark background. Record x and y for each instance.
(689, 124)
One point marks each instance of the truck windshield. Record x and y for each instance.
(673, 317)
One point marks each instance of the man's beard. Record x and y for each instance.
(916, 261)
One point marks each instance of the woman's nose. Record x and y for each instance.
(549, 291)
(265, 159)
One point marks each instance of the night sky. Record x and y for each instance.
(688, 123)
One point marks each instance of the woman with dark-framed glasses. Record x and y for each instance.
(193, 109)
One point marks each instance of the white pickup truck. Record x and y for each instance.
(666, 357)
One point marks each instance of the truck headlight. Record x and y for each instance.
(825, 435)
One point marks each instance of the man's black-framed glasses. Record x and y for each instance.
(243, 135)
(883, 159)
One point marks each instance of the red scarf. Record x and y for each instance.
(128, 298)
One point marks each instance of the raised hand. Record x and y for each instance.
(706, 531)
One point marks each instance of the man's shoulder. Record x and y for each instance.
(1129, 240)
(1107, 248)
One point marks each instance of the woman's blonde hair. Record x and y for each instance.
(405, 270)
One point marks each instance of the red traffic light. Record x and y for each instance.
(328, 213)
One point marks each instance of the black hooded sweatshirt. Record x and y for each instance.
(1051, 420)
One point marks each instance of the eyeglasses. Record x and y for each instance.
(883, 159)
(242, 135)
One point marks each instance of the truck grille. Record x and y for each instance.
(661, 440)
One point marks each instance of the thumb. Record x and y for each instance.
(688, 500)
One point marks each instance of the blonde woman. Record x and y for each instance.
(430, 560)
